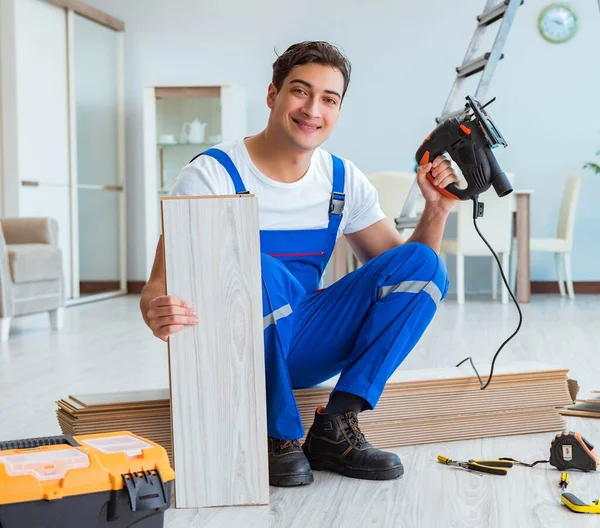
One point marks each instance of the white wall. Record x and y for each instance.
(403, 55)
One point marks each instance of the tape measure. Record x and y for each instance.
(572, 451)
(568, 451)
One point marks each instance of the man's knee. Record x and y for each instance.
(431, 262)
(429, 266)
(417, 253)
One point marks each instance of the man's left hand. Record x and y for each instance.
(443, 175)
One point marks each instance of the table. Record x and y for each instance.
(522, 233)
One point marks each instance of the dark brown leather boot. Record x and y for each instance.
(335, 443)
(287, 464)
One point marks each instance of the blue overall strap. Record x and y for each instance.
(338, 198)
(336, 206)
(228, 165)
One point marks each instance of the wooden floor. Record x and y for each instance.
(105, 346)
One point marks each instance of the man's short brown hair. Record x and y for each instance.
(306, 52)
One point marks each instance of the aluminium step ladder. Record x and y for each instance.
(473, 63)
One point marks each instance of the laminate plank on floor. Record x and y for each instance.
(217, 381)
(149, 397)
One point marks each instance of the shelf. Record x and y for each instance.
(179, 151)
(167, 109)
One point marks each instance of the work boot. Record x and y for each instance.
(287, 464)
(336, 443)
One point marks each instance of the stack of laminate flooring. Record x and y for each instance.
(144, 413)
(416, 407)
(585, 407)
(441, 405)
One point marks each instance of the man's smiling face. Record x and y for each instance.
(307, 107)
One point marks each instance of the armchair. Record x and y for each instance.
(31, 271)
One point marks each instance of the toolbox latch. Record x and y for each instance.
(146, 490)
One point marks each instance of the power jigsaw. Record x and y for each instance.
(468, 139)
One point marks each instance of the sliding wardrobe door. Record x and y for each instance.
(42, 125)
(100, 195)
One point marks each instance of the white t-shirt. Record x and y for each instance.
(303, 204)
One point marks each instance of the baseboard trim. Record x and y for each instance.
(135, 286)
(580, 287)
(92, 287)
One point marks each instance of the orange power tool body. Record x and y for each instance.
(469, 140)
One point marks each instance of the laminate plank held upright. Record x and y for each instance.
(216, 368)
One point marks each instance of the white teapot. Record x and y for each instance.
(194, 131)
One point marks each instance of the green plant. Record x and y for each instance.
(593, 166)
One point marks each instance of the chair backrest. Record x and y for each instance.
(392, 188)
(496, 224)
(568, 206)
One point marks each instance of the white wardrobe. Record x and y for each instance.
(63, 135)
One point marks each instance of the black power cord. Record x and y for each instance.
(477, 212)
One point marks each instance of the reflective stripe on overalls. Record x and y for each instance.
(361, 327)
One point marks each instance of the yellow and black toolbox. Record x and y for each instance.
(113, 480)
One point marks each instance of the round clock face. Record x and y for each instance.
(557, 23)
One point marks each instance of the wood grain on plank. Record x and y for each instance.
(217, 382)
(465, 376)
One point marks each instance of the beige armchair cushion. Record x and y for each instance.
(34, 262)
(30, 231)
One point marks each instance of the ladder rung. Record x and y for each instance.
(448, 116)
(493, 14)
(407, 223)
(474, 66)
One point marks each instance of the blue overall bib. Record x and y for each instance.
(361, 327)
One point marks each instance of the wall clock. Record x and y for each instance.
(557, 23)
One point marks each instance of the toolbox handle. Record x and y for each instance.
(27, 443)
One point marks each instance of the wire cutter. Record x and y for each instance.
(493, 467)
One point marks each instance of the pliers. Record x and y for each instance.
(493, 467)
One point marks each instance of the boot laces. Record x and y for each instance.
(282, 445)
(354, 431)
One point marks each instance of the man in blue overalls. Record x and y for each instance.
(361, 327)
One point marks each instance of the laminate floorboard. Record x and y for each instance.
(212, 260)
(105, 347)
